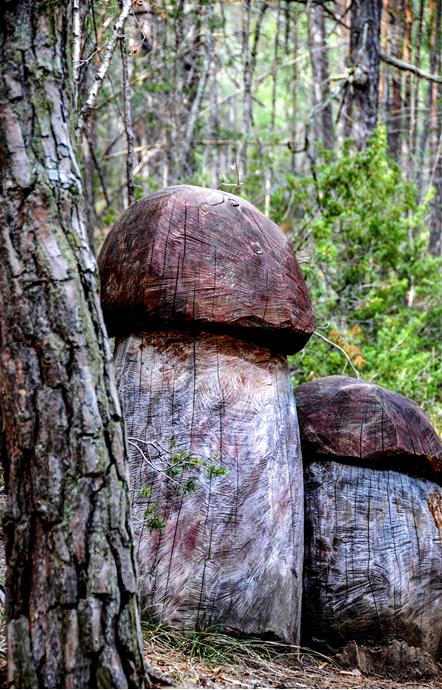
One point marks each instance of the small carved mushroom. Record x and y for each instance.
(373, 546)
(206, 298)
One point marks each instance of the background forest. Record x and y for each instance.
(263, 99)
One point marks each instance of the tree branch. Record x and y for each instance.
(99, 78)
(400, 64)
(293, 145)
(127, 120)
(388, 59)
(338, 347)
(76, 48)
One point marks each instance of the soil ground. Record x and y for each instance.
(190, 661)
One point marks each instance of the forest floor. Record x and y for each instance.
(211, 660)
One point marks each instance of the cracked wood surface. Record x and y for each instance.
(344, 417)
(373, 557)
(231, 552)
(188, 255)
(71, 578)
(373, 512)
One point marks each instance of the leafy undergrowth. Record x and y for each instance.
(209, 659)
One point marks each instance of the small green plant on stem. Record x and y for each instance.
(181, 468)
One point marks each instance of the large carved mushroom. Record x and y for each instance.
(205, 298)
(373, 547)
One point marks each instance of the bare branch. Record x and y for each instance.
(400, 64)
(330, 342)
(293, 145)
(151, 464)
(97, 166)
(127, 120)
(118, 27)
(303, 55)
(154, 69)
(76, 48)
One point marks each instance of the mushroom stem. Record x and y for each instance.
(373, 559)
(373, 509)
(228, 551)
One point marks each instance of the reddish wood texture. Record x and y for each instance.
(231, 551)
(201, 256)
(346, 418)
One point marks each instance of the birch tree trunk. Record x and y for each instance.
(71, 578)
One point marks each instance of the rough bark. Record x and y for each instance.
(408, 102)
(71, 580)
(373, 557)
(230, 553)
(364, 61)
(194, 256)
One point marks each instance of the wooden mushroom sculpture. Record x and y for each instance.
(205, 298)
(373, 547)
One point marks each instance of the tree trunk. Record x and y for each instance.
(294, 90)
(71, 579)
(322, 109)
(396, 41)
(408, 55)
(247, 83)
(431, 107)
(435, 244)
(416, 89)
(364, 61)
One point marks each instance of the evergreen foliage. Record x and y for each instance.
(377, 293)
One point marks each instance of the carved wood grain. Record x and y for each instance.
(188, 255)
(358, 421)
(373, 556)
(231, 553)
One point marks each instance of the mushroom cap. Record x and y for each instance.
(359, 422)
(205, 258)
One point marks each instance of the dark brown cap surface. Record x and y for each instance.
(204, 257)
(346, 418)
